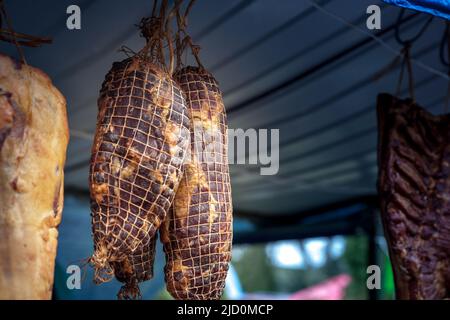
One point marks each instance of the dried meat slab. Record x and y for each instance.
(414, 190)
(33, 142)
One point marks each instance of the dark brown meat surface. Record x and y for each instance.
(197, 235)
(414, 190)
(140, 144)
(134, 270)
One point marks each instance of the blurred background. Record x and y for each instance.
(311, 230)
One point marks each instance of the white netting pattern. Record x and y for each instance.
(140, 144)
(197, 234)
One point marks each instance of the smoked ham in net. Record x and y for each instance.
(137, 268)
(414, 187)
(197, 234)
(33, 141)
(140, 143)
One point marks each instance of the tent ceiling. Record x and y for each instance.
(326, 114)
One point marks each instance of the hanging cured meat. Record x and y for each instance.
(197, 234)
(414, 189)
(33, 142)
(137, 268)
(140, 143)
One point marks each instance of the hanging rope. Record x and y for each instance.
(404, 58)
(162, 15)
(188, 10)
(162, 44)
(183, 38)
(18, 39)
(168, 33)
(178, 42)
(406, 63)
(406, 52)
(155, 5)
(413, 39)
(380, 41)
(152, 30)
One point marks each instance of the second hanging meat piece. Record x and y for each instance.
(197, 234)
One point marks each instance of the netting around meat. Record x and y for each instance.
(136, 268)
(140, 144)
(197, 236)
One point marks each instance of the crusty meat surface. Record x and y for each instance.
(197, 234)
(414, 190)
(33, 142)
(137, 268)
(140, 143)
